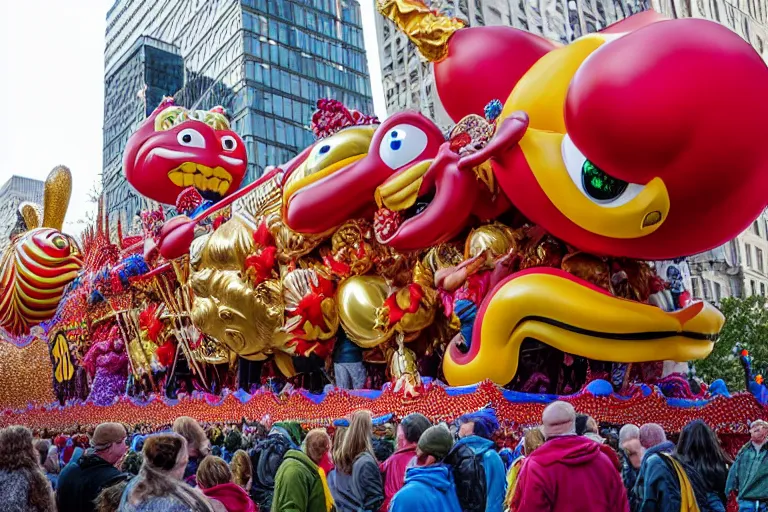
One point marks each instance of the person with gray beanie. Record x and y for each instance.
(429, 485)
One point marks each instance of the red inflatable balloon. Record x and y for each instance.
(483, 64)
(685, 101)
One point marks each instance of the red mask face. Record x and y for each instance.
(176, 148)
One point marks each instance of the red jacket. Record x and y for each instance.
(393, 473)
(569, 473)
(232, 496)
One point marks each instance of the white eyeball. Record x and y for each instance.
(191, 138)
(598, 186)
(229, 143)
(401, 145)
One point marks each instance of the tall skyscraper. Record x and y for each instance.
(14, 192)
(409, 82)
(265, 61)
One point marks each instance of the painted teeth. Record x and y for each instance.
(203, 178)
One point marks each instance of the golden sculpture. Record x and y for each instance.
(246, 318)
(428, 30)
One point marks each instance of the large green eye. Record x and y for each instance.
(59, 241)
(599, 185)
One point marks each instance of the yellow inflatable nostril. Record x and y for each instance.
(652, 219)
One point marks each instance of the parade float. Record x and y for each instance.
(513, 260)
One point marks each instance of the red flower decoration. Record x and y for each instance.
(332, 116)
(459, 141)
(396, 312)
(259, 265)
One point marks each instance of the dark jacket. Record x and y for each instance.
(298, 487)
(495, 474)
(469, 476)
(345, 350)
(190, 472)
(629, 477)
(665, 447)
(266, 458)
(662, 488)
(362, 491)
(429, 488)
(79, 484)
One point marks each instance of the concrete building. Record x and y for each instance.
(265, 61)
(14, 192)
(408, 80)
(736, 269)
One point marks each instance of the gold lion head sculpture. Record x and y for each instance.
(228, 307)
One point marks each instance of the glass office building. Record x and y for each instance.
(266, 61)
(136, 86)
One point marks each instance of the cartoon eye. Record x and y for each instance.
(225, 315)
(59, 242)
(401, 145)
(600, 187)
(191, 138)
(229, 143)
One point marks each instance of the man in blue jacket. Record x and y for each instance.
(429, 485)
(476, 431)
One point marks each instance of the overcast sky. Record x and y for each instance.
(52, 90)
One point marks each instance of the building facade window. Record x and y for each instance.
(696, 284)
(748, 255)
(753, 286)
(759, 258)
(756, 228)
(762, 289)
(718, 291)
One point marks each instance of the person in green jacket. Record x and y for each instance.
(749, 473)
(299, 485)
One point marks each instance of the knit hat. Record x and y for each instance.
(436, 441)
(107, 434)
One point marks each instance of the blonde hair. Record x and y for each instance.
(191, 431)
(357, 440)
(317, 442)
(213, 471)
(241, 467)
(532, 439)
(338, 442)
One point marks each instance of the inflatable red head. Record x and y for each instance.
(336, 179)
(175, 148)
(646, 144)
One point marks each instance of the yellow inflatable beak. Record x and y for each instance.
(333, 153)
(556, 308)
(402, 191)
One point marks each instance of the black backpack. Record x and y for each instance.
(469, 477)
(266, 458)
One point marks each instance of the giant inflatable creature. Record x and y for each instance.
(609, 144)
(515, 247)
